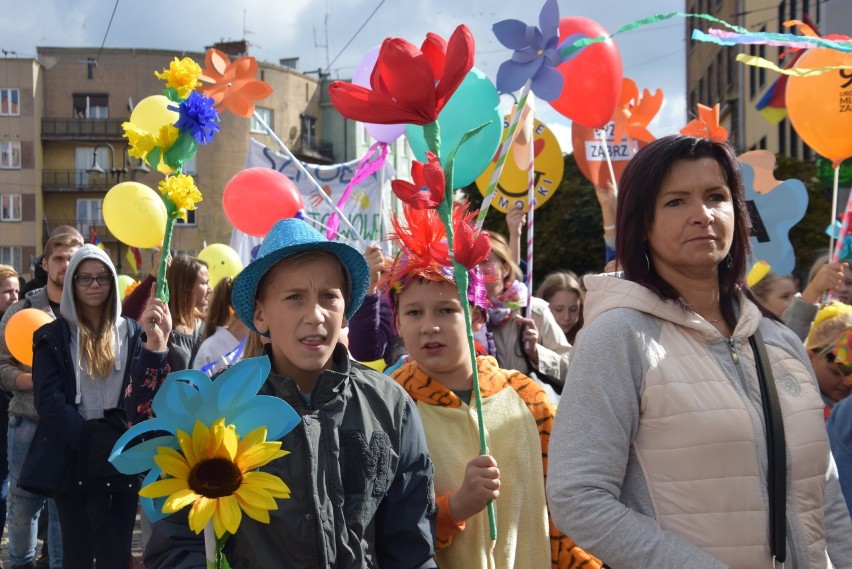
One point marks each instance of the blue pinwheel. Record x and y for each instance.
(536, 54)
(189, 396)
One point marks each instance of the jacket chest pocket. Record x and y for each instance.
(366, 472)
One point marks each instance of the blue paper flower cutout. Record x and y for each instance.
(536, 54)
(190, 395)
(198, 117)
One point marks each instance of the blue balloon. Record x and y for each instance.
(475, 102)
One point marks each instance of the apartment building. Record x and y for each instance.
(714, 76)
(61, 144)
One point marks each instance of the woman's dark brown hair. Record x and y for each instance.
(640, 184)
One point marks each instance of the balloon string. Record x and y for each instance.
(368, 166)
(501, 158)
(298, 163)
(834, 211)
(608, 160)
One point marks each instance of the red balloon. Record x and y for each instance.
(255, 198)
(592, 78)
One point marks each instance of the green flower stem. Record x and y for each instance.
(432, 134)
(162, 283)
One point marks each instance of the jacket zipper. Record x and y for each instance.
(734, 356)
(736, 359)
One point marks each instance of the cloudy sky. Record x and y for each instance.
(318, 31)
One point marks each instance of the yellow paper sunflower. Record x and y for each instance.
(215, 473)
(181, 191)
(182, 75)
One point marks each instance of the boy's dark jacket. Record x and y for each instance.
(360, 484)
(67, 451)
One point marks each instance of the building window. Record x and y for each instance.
(794, 143)
(752, 73)
(730, 67)
(11, 256)
(782, 14)
(187, 252)
(807, 153)
(89, 215)
(793, 10)
(10, 102)
(10, 155)
(190, 219)
(10, 207)
(190, 167)
(762, 143)
(266, 115)
(91, 106)
(782, 137)
(720, 76)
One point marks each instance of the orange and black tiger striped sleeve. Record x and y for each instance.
(564, 552)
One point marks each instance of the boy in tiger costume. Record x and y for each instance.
(517, 413)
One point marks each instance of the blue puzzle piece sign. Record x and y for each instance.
(773, 214)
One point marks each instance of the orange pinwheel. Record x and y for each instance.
(634, 114)
(234, 86)
(706, 125)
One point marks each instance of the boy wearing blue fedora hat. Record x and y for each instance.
(358, 468)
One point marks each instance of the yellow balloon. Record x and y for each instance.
(152, 113)
(135, 214)
(222, 261)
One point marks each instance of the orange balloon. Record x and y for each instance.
(820, 106)
(19, 332)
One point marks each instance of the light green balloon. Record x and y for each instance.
(475, 102)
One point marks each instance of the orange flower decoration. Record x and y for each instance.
(706, 125)
(234, 85)
(634, 114)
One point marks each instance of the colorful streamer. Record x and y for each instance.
(368, 166)
(794, 71)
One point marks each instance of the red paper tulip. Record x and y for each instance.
(427, 191)
(409, 85)
(470, 247)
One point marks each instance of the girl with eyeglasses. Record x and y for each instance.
(81, 372)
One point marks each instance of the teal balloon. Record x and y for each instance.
(475, 102)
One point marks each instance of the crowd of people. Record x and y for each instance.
(701, 422)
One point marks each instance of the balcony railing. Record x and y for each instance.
(75, 181)
(81, 129)
(85, 228)
(311, 146)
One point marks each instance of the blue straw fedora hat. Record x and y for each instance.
(288, 237)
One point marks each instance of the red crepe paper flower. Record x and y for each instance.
(409, 85)
(235, 86)
(469, 246)
(706, 125)
(427, 191)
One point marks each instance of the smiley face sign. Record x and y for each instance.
(512, 188)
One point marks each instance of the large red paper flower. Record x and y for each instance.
(470, 247)
(235, 86)
(409, 85)
(427, 191)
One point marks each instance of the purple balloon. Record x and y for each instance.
(386, 133)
